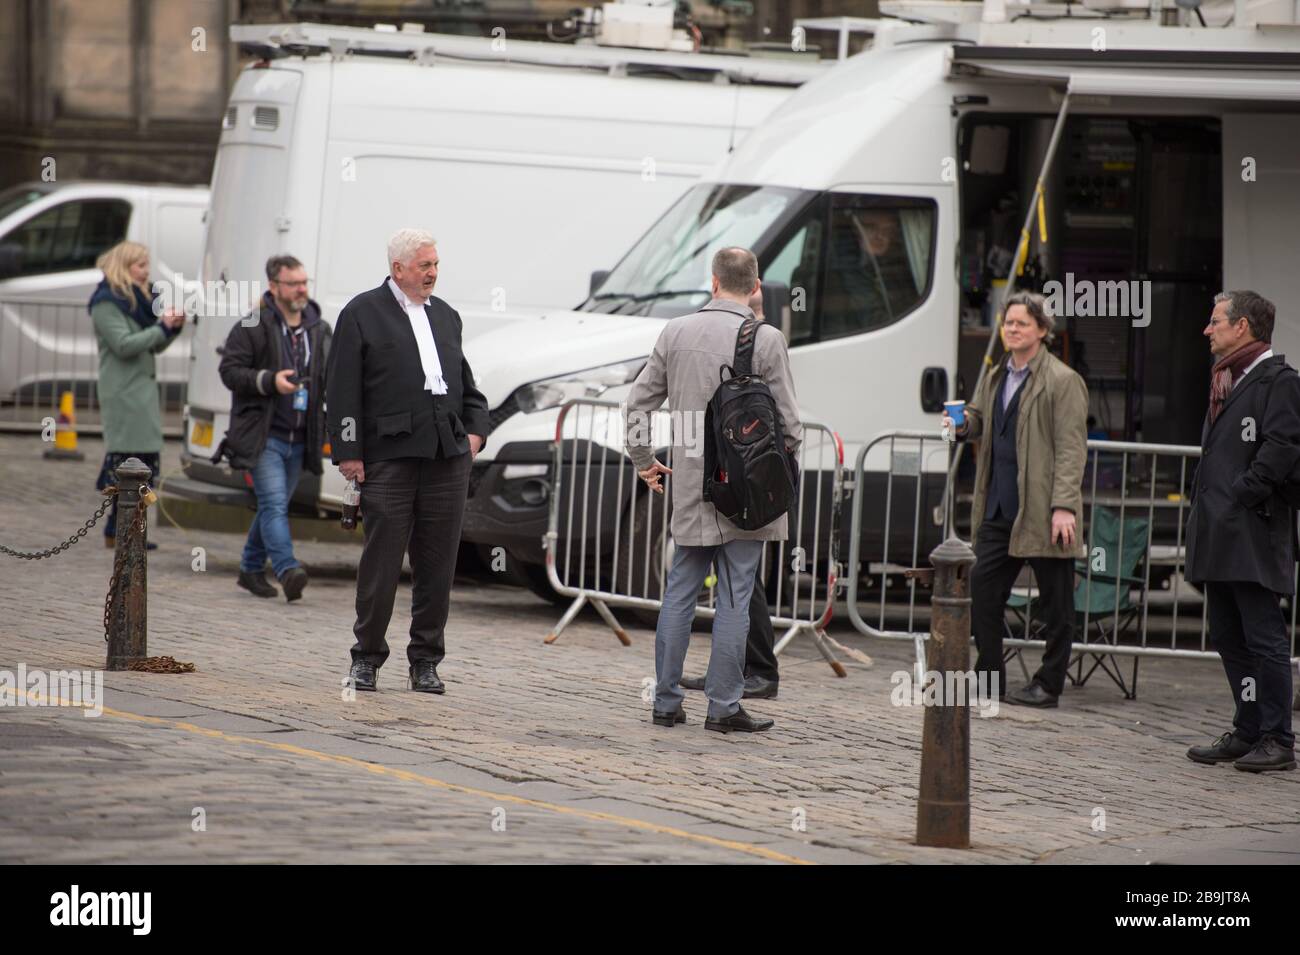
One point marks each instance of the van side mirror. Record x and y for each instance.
(11, 260)
(597, 280)
(776, 306)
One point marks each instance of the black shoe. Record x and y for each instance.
(362, 675)
(1032, 694)
(256, 584)
(1268, 754)
(1225, 749)
(670, 719)
(293, 581)
(738, 722)
(692, 683)
(424, 678)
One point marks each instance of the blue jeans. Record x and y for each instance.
(274, 478)
(736, 563)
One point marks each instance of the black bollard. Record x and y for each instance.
(943, 809)
(128, 620)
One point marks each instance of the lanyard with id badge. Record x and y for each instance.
(300, 370)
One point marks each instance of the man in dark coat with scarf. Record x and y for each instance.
(274, 365)
(1241, 532)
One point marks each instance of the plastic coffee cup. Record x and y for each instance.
(956, 410)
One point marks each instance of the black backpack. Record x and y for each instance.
(748, 475)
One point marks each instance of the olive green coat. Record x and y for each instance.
(1051, 451)
(128, 380)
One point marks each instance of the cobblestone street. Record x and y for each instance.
(537, 753)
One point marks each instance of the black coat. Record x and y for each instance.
(1240, 528)
(376, 380)
(249, 360)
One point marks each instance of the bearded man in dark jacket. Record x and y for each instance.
(274, 364)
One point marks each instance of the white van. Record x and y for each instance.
(530, 162)
(889, 196)
(50, 236)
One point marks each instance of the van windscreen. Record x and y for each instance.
(668, 271)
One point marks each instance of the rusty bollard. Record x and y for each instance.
(943, 809)
(128, 621)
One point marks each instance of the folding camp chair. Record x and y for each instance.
(1095, 603)
(1104, 594)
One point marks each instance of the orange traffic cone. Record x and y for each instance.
(65, 432)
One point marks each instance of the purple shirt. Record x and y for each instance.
(1013, 380)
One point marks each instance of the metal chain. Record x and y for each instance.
(110, 493)
(136, 527)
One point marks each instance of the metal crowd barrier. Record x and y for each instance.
(900, 491)
(609, 543)
(49, 347)
(1130, 599)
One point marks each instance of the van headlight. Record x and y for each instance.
(592, 383)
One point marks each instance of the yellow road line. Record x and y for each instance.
(405, 775)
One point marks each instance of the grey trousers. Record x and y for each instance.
(736, 563)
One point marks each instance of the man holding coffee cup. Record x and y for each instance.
(1030, 413)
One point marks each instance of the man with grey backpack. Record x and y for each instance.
(731, 376)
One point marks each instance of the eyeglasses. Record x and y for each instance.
(303, 283)
(1220, 321)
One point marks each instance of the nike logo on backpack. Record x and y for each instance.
(749, 427)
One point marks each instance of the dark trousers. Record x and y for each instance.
(760, 660)
(990, 585)
(417, 503)
(1249, 631)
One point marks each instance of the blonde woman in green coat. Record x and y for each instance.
(131, 331)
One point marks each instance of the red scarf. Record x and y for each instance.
(1228, 370)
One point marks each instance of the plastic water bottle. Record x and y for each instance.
(351, 505)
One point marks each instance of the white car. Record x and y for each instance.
(50, 236)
